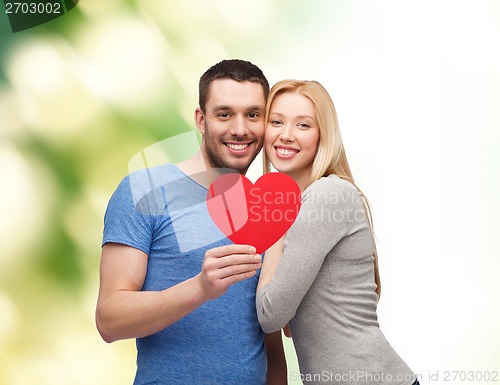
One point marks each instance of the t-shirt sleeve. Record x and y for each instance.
(125, 221)
(321, 224)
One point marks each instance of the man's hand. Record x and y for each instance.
(226, 265)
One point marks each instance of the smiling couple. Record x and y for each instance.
(207, 311)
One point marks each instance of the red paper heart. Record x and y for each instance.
(256, 215)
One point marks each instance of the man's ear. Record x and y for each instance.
(199, 119)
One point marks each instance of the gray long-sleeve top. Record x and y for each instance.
(324, 288)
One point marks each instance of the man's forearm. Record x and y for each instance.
(276, 363)
(124, 311)
(135, 314)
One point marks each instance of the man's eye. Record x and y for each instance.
(223, 115)
(253, 115)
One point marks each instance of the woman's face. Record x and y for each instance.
(292, 135)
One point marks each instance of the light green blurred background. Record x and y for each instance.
(417, 90)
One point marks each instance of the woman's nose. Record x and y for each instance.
(286, 135)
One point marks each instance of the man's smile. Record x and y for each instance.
(238, 147)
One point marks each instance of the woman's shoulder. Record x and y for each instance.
(332, 183)
(331, 191)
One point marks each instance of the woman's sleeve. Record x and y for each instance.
(322, 222)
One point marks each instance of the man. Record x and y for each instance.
(168, 276)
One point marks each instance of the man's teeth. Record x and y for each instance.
(286, 151)
(237, 147)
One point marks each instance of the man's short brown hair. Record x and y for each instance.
(234, 69)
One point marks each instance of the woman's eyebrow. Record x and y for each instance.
(295, 117)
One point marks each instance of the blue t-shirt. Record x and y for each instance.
(163, 212)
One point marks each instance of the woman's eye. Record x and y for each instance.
(275, 122)
(304, 125)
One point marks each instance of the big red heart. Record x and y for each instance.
(256, 215)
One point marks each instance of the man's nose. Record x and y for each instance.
(240, 126)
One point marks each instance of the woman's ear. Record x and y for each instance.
(199, 119)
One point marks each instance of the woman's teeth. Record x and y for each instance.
(286, 151)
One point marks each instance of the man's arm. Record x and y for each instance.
(124, 311)
(276, 362)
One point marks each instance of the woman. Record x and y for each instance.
(323, 280)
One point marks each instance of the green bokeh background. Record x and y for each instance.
(417, 91)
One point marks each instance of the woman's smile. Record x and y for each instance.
(285, 152)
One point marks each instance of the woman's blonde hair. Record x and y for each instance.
(330, 157)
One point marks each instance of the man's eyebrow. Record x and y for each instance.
(256, 107)
(222, 108)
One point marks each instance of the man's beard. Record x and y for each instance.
(216, 159)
